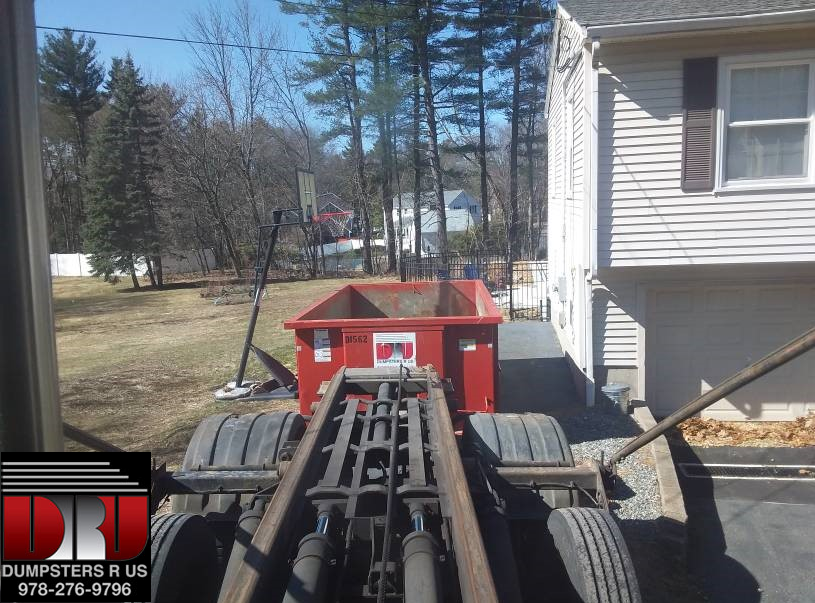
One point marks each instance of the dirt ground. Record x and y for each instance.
(709, 432)
(139, 368)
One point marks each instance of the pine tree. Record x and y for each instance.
(473, 41)
(341, 95)
(430, 23)
(522, 37)
(70, 76)
(121, 228)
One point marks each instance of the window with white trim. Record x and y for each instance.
(768, 119)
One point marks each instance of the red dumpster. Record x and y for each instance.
(452, 325)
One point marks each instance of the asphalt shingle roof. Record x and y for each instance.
(615, 12)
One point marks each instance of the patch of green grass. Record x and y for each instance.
(139, 368)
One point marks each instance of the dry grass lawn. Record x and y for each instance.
(139, 368)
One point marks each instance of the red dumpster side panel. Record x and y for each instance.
(471, 364)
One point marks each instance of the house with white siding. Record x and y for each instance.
(462, 213)
(682, 197)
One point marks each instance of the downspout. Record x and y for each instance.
(591, 263)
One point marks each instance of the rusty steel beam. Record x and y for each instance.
(88, 439)
(770, 362)
(271, 544)
(221, 482)
(474, 574)
(584, 476)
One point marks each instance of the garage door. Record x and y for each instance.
(697, 336)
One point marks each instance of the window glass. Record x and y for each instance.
(759, 93)
(767, 151)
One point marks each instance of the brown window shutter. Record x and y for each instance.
(699, 124)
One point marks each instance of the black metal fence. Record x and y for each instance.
(518, 288)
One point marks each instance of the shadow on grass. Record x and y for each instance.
(166, 287)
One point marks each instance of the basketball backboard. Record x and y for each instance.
(307, 194)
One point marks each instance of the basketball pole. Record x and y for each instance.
(260, 287)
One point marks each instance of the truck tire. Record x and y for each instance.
(498, 438)
(183, 559)
(235, 440)
(594, 556)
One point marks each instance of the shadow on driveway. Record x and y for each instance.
(535, 375)
(749, 540)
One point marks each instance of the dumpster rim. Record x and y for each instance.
(492, 315)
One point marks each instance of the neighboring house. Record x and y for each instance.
(462, 209)
(682, 197)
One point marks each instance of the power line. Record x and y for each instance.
(201, 42)
(253, 47)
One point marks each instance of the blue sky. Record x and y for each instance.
(159, 61)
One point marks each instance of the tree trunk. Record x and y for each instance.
(512, 230)
(432, 138)
(482, 134)
(385, 156)
(133, 276)
(158, 269)
(149, 264)
(231, 248)
(417, 158)
(357, 148)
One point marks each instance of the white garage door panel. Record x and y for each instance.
(698, 336)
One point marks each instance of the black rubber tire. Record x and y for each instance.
(235, 440)
(497, 438)
(183, 559)
(594, 556)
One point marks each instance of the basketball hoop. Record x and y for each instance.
(338, 223)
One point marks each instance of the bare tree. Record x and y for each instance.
(237, 71)
(200, 162)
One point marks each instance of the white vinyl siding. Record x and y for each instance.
(615, 330)
(644, 218)
(566, 123)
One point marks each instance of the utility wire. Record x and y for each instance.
(96, 32)
(201, 42)
(266, 48)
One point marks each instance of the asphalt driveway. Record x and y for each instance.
(751, 522)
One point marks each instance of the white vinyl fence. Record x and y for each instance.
(176, 262)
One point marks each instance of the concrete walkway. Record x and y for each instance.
(535, 375)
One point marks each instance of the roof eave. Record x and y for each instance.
(563, 15)
(656, 28)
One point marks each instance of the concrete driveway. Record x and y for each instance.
(535, 375)
(751, 522)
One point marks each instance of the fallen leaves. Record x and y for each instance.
(710, 432)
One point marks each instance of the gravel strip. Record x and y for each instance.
(599, 431)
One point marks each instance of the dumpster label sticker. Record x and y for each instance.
(322, 346)
(393, 349)
(466, 345)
